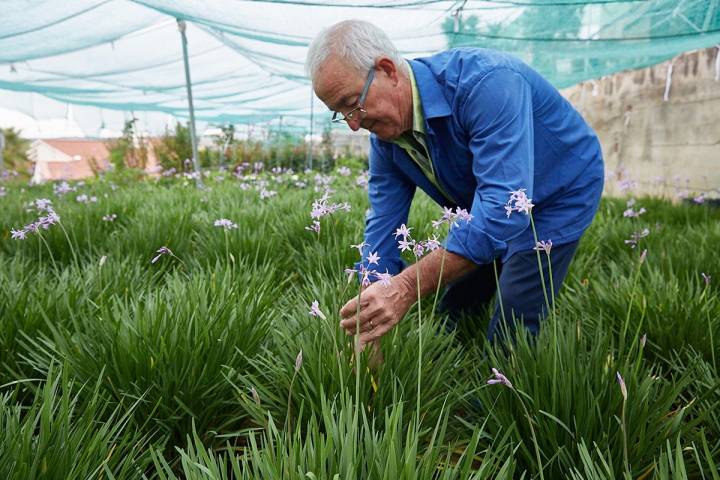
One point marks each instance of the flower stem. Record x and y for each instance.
(419, 373)
(532, 432)
(542, 275)
(437, 290)
(625, 450)
(630, 305)
(499, 293)
(357, 352)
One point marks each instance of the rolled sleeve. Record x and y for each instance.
(390, 194)
(497, 114)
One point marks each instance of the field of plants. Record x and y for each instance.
(153, 329)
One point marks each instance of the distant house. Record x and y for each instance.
(68, 159)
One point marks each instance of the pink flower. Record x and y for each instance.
(451, 218)
(373, 258)
(384, 278)
(360, 247)
(315, 227)
(432, 243)
(365, 276)
(403, 231)
(225, 223)
(543, 245)
(406, 245)
(636, 236)
(315, 310)
(463, 214)
(21, 234)
(162, 251)
(499, 378)
(518, 202)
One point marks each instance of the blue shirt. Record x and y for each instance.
(493, 125)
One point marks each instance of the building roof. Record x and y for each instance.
(74, 170)
(86, 149)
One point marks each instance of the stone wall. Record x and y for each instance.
(652, 144)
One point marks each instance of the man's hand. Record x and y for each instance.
(381, 308)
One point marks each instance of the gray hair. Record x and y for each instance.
(357, 42)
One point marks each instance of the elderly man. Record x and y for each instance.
(467, 126)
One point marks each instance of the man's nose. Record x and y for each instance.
(354, 124)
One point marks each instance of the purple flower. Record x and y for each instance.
(365, 276)
(109, 218)
(419, 249)
(225, 223)
(350, 272)
(630, 213)
(267, 194)
(543, 245)
(373, 258)
(403, 231)
(451, 218)
(700, 199)
(384, 278)
(621, 382)
(707, 278)
(344, 171)
(499, 378)
(636, 236)
(360, 247)
(49, 220)
(315, 227)
(162, 251)
(42, 204)
(22, 233)
(315, 310)
(406, 245)
(432, 243)
(518, 202)
(85, 199)
(463, 214)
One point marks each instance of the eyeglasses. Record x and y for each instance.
(358, 111)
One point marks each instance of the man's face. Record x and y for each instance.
(340, 86)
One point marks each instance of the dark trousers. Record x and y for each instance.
(521, 289)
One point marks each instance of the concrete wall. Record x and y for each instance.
(655, 146)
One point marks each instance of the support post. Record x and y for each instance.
(2, 147)
(188, 86)
(312, 120)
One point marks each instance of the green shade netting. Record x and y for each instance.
(246, 57)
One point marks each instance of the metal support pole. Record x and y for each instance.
(188, 86)
(2, 147)
(312, 119)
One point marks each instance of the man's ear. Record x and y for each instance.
(388, 67)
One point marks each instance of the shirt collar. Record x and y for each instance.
(433, 103)
(418, 116)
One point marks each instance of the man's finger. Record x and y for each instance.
(375, 333)
(350, 324)
(350, 308)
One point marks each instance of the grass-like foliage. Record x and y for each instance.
(198, 333)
